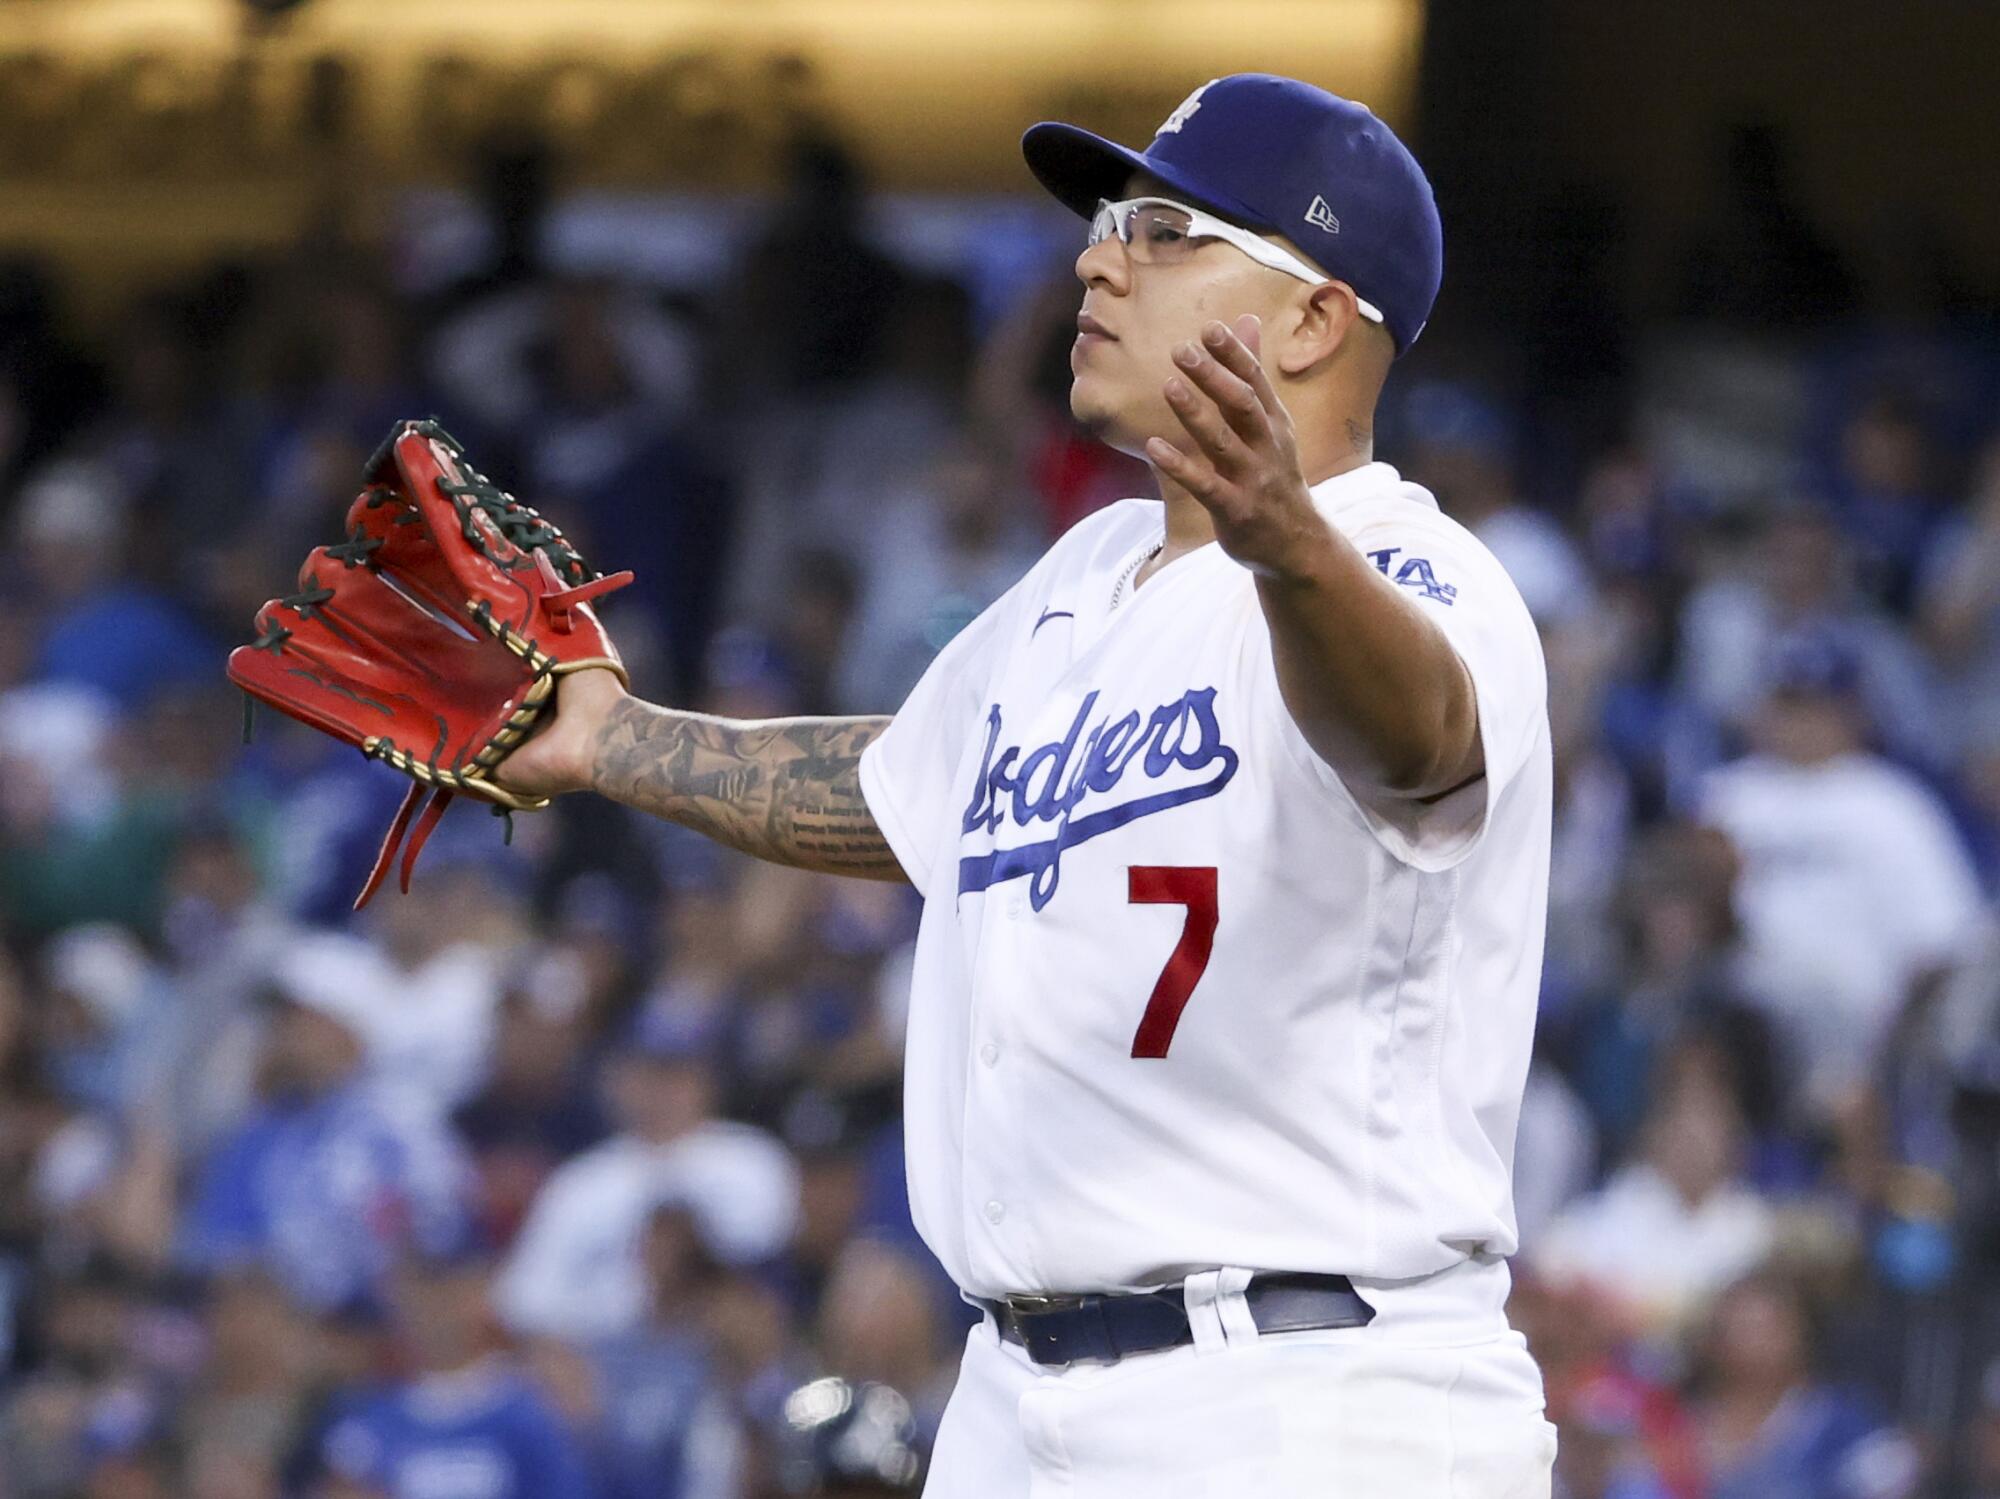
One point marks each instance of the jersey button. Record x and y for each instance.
(990, 1053)
(995, 1210)
(1015, 906)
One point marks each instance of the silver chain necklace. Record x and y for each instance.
(1132, 571)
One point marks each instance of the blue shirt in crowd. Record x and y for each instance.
(482, 1433)
(130, 643)
(1821, 1444)
(326, 1193)
(667, 1428)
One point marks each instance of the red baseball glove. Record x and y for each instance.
(431, 638)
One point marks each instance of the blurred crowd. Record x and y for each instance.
(577, 1170)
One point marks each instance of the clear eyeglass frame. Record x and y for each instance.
(1160, 231)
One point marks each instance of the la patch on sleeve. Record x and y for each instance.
(1415, 573)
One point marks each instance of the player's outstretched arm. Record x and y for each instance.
(785, 789)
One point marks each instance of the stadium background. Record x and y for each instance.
(563, 1171)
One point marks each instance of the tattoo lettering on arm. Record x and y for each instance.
(787, 790)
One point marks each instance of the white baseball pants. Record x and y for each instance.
(1337, 1414)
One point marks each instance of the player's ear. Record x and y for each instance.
(1320, 321)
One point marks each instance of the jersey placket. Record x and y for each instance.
(998, 1202)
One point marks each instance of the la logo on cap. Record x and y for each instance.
(1187, 108)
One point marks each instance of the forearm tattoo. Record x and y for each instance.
(787, 789)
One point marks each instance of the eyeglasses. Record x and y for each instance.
(1159, 231)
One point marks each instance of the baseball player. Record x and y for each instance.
(1232, 824)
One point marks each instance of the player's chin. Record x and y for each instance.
(1099, 411)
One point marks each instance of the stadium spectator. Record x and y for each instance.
(424, 983)
(223, 940)
(1741, 630)
(1770, 1422)
(254, 1398)
(1684, 1220)
(602, 441)
(538, 1105)
(334, 1175)
(1674, 975)
(1855, 887)
(668, 1428)
(106, 629)
(1958, 607)
(85, 1402)
(1582, 1340)
(577, 1270)
(1885, 493)
(466, 1420)
(100, 991)
(952, 540)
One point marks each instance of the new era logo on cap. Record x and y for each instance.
(1320, 216)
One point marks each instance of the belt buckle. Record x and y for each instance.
(1040, 1341)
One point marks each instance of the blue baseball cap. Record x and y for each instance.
(674, 1033)
(1815, 661)
(1280, 157)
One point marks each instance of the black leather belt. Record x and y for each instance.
(1063, 1329)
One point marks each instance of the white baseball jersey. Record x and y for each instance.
(1181, 998)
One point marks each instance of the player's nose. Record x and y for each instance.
(1105, 264)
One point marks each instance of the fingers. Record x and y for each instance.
(1233, 398)
(1226, 501)
(1192, 474)
(1236, 351)
(1203, 421)
(1240, 435)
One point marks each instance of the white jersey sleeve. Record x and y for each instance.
(906, 774)
(1447, 573)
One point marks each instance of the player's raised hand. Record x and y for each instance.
(1239, 458)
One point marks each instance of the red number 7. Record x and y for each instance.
(1171, 885)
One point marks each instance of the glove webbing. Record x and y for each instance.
(522, 525)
